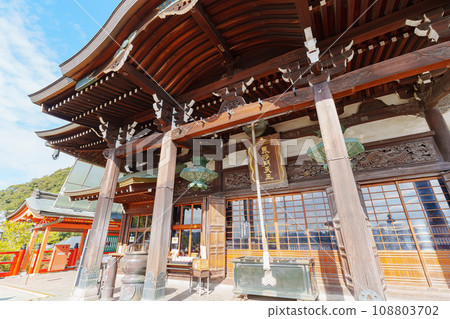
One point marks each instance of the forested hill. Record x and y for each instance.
(14, 195)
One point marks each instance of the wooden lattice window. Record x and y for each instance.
(318, 219)
(139, 230)
(186, 229)
(237, 224)
(255, 224)
(292, 227)
(408, 214)
(293, 222)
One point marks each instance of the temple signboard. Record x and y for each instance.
(272, 173)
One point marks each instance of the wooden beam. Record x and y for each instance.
(140, 145)
(325, 18)
(80, 247)
(147, 84)
(364, 6)
(430, 58)
(260, 70)
(210, 30)
(378, 112)
(144, 116)
(358, 34)
(381, 26)
(337, 16)
(350, 12)
(30, 249)
(304, 16)
(427, 59)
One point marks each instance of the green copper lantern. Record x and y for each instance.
(198, 174)
(260, 128)
(353, 145)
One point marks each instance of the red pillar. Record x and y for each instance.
(41, 251)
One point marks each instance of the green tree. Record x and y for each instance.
(13, 196)
(16, 234)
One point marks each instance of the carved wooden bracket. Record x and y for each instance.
(175, 7)
(109, 153)
(109, 132)
(163, 114)
(183, 113)
(426, 83)
(318, 70)
(232, 95)
(432, 24)
(421, 85)
(121, 55)
(127, 133)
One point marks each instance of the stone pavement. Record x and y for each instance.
(58, 286)
(11, 293)
(47, 286)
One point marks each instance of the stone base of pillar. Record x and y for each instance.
(87, 286)
(83, 294)
(154, 290)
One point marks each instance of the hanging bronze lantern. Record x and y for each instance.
(353, 145)
(198, 174)
(260, 129)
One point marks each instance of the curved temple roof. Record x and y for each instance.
(208, 45)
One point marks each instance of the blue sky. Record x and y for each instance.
(36, 36)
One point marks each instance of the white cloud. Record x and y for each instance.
(80, 31)
(27, 64)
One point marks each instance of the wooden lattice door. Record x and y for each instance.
(215, 235)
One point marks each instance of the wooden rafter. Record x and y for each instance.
(204, 22)
(430, 58)
(136, 103)
(358, 34)
(380, 26)
(148, 85)
(364, 6)
(304, 16)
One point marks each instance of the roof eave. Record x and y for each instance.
(62, 84)
(59, 130)
(103, 39)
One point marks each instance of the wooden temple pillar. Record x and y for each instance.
(437, 123)
(86, 288)
(432, 96)
(156, 274)
(40, 255)
(446, 177)
(80, 247)
(356, 236)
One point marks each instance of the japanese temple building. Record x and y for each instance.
(343, 102)
(51, 212)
